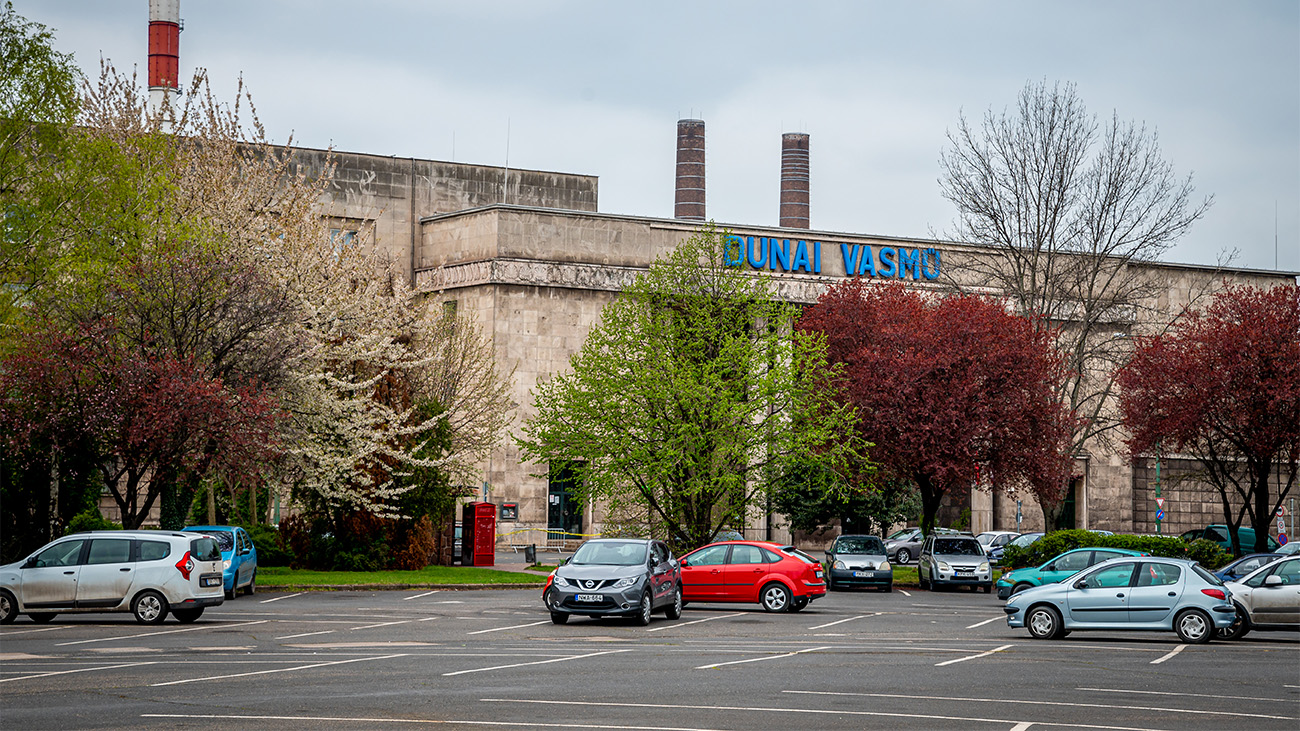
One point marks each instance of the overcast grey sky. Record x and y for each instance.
(596, 87)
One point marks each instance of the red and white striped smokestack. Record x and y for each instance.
(689, 204)
(794, 180)
(164, 50)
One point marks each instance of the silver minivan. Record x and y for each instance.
(954, 560)
(148, 573)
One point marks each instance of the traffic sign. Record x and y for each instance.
(1281, 539)
(1281, 511)
(1160, 503)
(1160, 515)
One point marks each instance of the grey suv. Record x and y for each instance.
(616, 577)
(948, 560)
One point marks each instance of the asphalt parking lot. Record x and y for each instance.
(493, 659)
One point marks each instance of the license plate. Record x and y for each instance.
(819, 574)
(590, 597)
(965, 573)
(859, 574)
(212, 581)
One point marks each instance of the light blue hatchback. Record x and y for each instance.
(1130, 593)
(238, 557)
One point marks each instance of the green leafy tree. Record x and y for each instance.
(692, 399)
(812, 504)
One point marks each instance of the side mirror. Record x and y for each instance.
(685, 563)
(1081, 584)
(30, 563)
(1273, 580)
(562, 562)
(829, 554)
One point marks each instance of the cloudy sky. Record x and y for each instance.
(596, 87)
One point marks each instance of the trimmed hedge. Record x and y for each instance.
(1207, 553)
(271, 550)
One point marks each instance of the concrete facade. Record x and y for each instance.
(529, 255)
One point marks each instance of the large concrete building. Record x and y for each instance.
(529, 253)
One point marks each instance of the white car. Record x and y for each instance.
(1267, 598)
(148, 573)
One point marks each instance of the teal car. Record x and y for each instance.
(1058, 569)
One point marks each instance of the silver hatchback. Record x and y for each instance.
(1130, 593)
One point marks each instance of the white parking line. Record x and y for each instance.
(417, 596)
(674, 625)
(499, 629)
(981, 624)
(286, 596)
(163, 632)
(904, 592)
(306, 634)
(277, 670)
(1165, 709)
(7, 633)
(761, 659)
(841, 621)
(381, 624)
(439, 721)
(1196, 695)
(1168, 655)
(79, 670)
(972, 657)
(820, 711)
(538, 662)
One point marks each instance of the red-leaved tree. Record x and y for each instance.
(145, 414)
(1224, 387)
(949, 389)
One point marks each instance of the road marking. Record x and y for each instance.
(760, 659)
(286, 596)
(842, 621)
(820, 711)
(381, 624)
(1165, 709)
(306, 634)
(426, 619)
(29, 631)
(904, 592)
(79, 670)
(277, 670)
(683, 624)
(981, 624)
(417, 596)
(163, 632)
(973, 657)
(1022, 726)
(1168, 655)
(538, 662)
(439, 721)
(516, 626)
(1196, 695)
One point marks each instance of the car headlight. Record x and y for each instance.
(225, 564)
(984, 567)
(943, 566)
(561, 581)
(624, 583)
(840, 565)
(884, 566)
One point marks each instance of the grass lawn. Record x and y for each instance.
(279, 576)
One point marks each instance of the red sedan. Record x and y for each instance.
(780, 578)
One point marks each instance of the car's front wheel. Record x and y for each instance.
(903, 556)
(186, 616)
(675, 609)
(559, 617)
(647, 608)
(775, 598)
(1194, 626)
(8, 607)
(1019, 588)
(43, 617)
(1240, 626)
(1044, 623)
(149, 608)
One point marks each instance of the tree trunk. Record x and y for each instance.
(1263, 514)
(931, 497)
(54, 492)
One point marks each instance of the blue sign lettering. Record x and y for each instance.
(732, 249)
(867, 262)
(909, 260)
(887, 267)
(801, 257)
(758, 262)
(774, 255)
(778, 253)
(925, 257)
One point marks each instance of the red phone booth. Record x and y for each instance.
(478, 534)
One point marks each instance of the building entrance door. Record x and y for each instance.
(1066, 519)
(563, 512)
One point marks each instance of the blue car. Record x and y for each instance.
(1130, 593)
(238, 556)
(1244, 565)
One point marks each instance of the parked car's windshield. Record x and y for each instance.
(957, 547)
(1211, 578)
(225, 539)
(610, 553)
(792, 551)
(1026, 539)
(901, 534)
(204, 548)
(860, 545)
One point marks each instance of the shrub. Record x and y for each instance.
(271, 549)
(90, 519)
(1206, 553)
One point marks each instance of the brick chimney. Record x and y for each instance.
(794, 180)
(689, 202)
